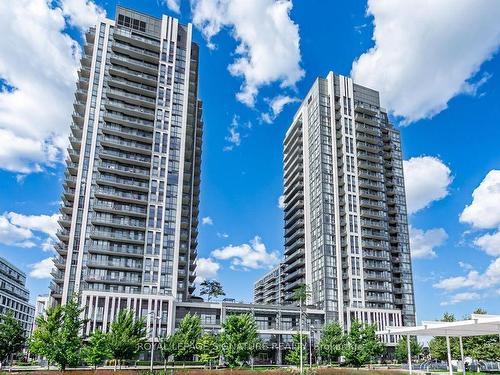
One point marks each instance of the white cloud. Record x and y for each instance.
(253, 255)
(174, 5)
(268, 40)
(276, 105)
(465, 266)
(427, 180)
(207, 221)
(427, 52)
(222, 235)
(234, 136)
(39, 61)
(42, 269)
(489, 243)
(13, 235)
(484, 211)
(473, 279)
(424, 242)
(206, 268)
(40, 223)
(17, 229)
(461, 297)
(281, 202)
(81, 13)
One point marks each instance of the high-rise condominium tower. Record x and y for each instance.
(128, 236)
(346, 232)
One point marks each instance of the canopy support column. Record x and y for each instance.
(408, 347)
(462, 353)
(449, 354)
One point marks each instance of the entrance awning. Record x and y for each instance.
(477, 325)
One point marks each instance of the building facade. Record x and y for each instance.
(269, 288)
(346, 231)
(129, 222)
(14, 296)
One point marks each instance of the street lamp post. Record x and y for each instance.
(153, 334)
(311, 336)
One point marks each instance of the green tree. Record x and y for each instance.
(126, 337)
(211, 288)
(188, 334)
(483, 348)
(68, 341)
(43, 338)
(437, 346)
(293, 356)
(169, 346)
(12, 337)
(57, 336)
(301, 294)
(332, 342)
(239, 339)
(96, 350)
(362, 344)
(401, 351)
(208, 346)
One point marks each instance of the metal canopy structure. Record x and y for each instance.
(477, 325)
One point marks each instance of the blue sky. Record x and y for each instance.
(441, 85)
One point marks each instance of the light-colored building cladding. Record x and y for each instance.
(269, 288)
(131, 191)
(14, 296)
(346, 232)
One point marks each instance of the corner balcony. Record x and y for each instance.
(76, 143)
(63, 235)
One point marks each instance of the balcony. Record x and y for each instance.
(113, 207)
(117, 236)
(113, 280)
(128, 36)
(125, 157)
(136, 52)
(115, 265)
(128, 251)
(122, 195)
(130, 110)
(143, 138)
(123, 183)
(63, 235)
(134, 99)
(296, 245)
(133, 75)
(126, 223)
(129, 121)
(134, 64)
(124, 170)
(76, 143)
